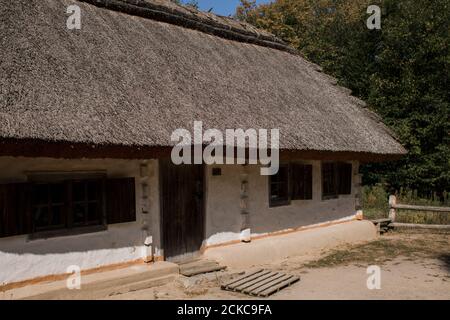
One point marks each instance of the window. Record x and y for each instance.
(292, 182)
(15, 218)
(301, 180)
(336, 179)
(345, 178)
(65, 206)
(68, 204)
(49, 206)
(279, 187)
(87, 202)
(329, 183)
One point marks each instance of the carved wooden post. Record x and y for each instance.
(147, 250)
(357, 186)
(245, 229)
(392, 204)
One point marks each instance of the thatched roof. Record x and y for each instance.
(137, 70)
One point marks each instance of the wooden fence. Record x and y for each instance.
(394, 207)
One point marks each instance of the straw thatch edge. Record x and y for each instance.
(162, 13)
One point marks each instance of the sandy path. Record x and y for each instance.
(413, 275)
(400, 279)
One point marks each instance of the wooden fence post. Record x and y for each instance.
(392, 211)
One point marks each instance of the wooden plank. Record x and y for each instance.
(278, 287)
(263, 283)
(245, 278)
(120, 200)
(243, 287)
(270, 284)
(197, 264)
(255, 282)
(199, 270)
(421, 208)
(420, 226)
(392, 211)
(243, 282)
(381, 221)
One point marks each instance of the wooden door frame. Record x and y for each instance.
(161, 207)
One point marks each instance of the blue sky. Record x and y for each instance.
(222, 7)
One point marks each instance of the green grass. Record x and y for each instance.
(375, 206)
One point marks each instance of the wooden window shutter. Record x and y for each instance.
(301, 179)
(329, 180)
(345, 178)
(308, 182)
(15, 210)
(120, 200)
(279, 187)
(298, 187)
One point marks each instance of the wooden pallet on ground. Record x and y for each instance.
(261, 283)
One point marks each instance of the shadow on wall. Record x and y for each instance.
(300, 215)
(224, 210)
(126, 235)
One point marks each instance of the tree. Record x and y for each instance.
(402, 71)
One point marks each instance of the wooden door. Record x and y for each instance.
(182, 209)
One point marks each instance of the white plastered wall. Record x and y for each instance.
(224, 221)
(23, 259)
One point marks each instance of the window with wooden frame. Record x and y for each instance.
(329, 180)
(292, 182)
(345, 173)
(336, 179)
(49, 206)
(279, 187)
(301, 181)
(57, 206)
(67, 205)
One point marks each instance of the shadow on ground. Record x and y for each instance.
(445, 258)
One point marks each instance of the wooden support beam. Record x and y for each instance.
(392, 203)
(420, 226)
(420, 208)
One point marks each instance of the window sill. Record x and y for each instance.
(325, 198)
(340, 196)
(43, 235)
(279, 204)
(302, 200)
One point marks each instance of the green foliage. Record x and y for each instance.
(407, 196)
(375, 202)
(402, 71)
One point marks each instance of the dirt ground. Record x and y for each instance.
(413, 266)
